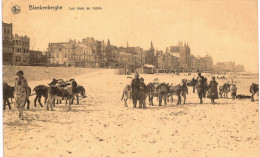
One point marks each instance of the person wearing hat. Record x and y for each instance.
(135, 89)
(233, 91)
(193, 83)
(21, 92)
(142, 88)
(213, 89)
(200, 89)
(204, 82)
(185, 90)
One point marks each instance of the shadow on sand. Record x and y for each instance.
(20, 123)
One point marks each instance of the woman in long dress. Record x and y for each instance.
(21, 92)
(213, 90)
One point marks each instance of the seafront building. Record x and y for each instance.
(7, 41)
(16, 48)
(93, 53)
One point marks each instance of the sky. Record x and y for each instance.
(225, 29)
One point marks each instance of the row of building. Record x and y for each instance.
(100, 54)
(228, 67)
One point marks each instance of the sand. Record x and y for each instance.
(102, 126)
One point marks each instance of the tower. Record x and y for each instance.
(152, 48)
(108, 42)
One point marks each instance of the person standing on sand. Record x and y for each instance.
(135, 89)
(21, 92)
(203, 79)
(213, 90)
(233, 91)
(142, 88)
(193, 84)
(200, 89)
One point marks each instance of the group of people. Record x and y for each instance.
(67, 90)
(137, 86)
(211, 88)
(202, 86)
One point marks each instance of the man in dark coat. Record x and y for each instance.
(135, 89)
(200, 76)
(142, 93)
(203, 79)
(200, 89)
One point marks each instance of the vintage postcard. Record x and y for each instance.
(137, 78)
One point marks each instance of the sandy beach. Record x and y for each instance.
(102, 126)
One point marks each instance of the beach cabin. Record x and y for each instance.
(146, 69)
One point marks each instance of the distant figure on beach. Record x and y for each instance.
(200, 89)
(21, 92)
(233, 91)
(254, 88)
(142, 91)
(185, 90)
(213, 90)
(135, 89)
(193, 84)
(204, 80)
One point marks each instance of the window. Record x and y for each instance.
(65, 55)
(59, 49)
(57, 55)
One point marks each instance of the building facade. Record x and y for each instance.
(183, 53)
(37, 58)
(88, 53)
(202, 64)
(166, 62)
(7, 43)
(21, 50)
(240, 68)
(228, 67)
